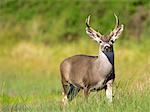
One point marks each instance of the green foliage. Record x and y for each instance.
(50, 21)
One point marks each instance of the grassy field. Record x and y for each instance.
(30, 81)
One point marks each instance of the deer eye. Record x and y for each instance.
(112, 41)
(100, 41)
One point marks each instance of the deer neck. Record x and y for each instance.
(105, 63)
(109, 55)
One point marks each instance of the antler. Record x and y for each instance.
(117, 21)
(116, 26)
(97, 36)
(117, 30)
(88, 21)
(90, 30)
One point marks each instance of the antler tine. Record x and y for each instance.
(88, 21)
(117, 21)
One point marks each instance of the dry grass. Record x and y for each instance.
(29, 76)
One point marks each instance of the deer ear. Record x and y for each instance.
(93, 34)
(116, 33)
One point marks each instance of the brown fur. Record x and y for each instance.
(86, 72)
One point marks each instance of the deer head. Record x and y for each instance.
(106, 42)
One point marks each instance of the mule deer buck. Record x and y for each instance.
(91, 72)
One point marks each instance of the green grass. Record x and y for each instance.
(35, 36)
(30, 80)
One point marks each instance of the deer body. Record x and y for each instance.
(90, 72)
(86, 71)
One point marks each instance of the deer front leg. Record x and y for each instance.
(86, 92)
(109, 92)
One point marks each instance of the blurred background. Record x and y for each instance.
(36, 35)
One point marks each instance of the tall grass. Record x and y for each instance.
(30, 80)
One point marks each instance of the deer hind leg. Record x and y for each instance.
(73, 91)
(69, 93)
(65, 91)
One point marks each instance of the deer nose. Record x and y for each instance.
(106, 47)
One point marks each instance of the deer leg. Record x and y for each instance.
(73, 91)
(65, 91)
(109, 92)
(86, 92)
